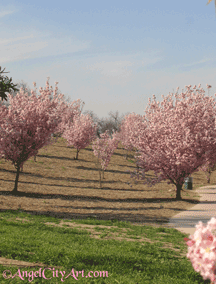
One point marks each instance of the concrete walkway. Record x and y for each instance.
(186, 221)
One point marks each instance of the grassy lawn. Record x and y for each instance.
(140, 254)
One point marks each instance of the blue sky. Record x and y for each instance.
(113, 55)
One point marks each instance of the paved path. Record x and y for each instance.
(187, 220)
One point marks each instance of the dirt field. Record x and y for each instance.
(57, 185)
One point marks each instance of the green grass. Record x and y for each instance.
(127, 261)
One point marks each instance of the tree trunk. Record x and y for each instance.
(126, 156)
(16, 181)
(178, 192)
(208, 177)
(100, 177)
(99, 169)
(138, 168)
(77, 155)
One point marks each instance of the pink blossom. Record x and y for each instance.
(80, 133)
(174, 141)
(26, 126)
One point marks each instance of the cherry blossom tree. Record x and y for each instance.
(208, 169)
(104, 148)
(27, 90)
(65, 111)
(80, 133)
(26, 126)
(68, 112)
(95, 119)
(210, 166)
(130, 130)
(176, 141)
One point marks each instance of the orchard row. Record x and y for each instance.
(173, 140)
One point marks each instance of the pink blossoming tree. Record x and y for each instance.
(130, 130)
(26, 126)
(176, 140)
(104, 148)
(68, 112)
(80, 133)
(65, 111)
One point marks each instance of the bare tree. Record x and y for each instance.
(103, 124)
(107, 125)
(116, 120)
(112, 124)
